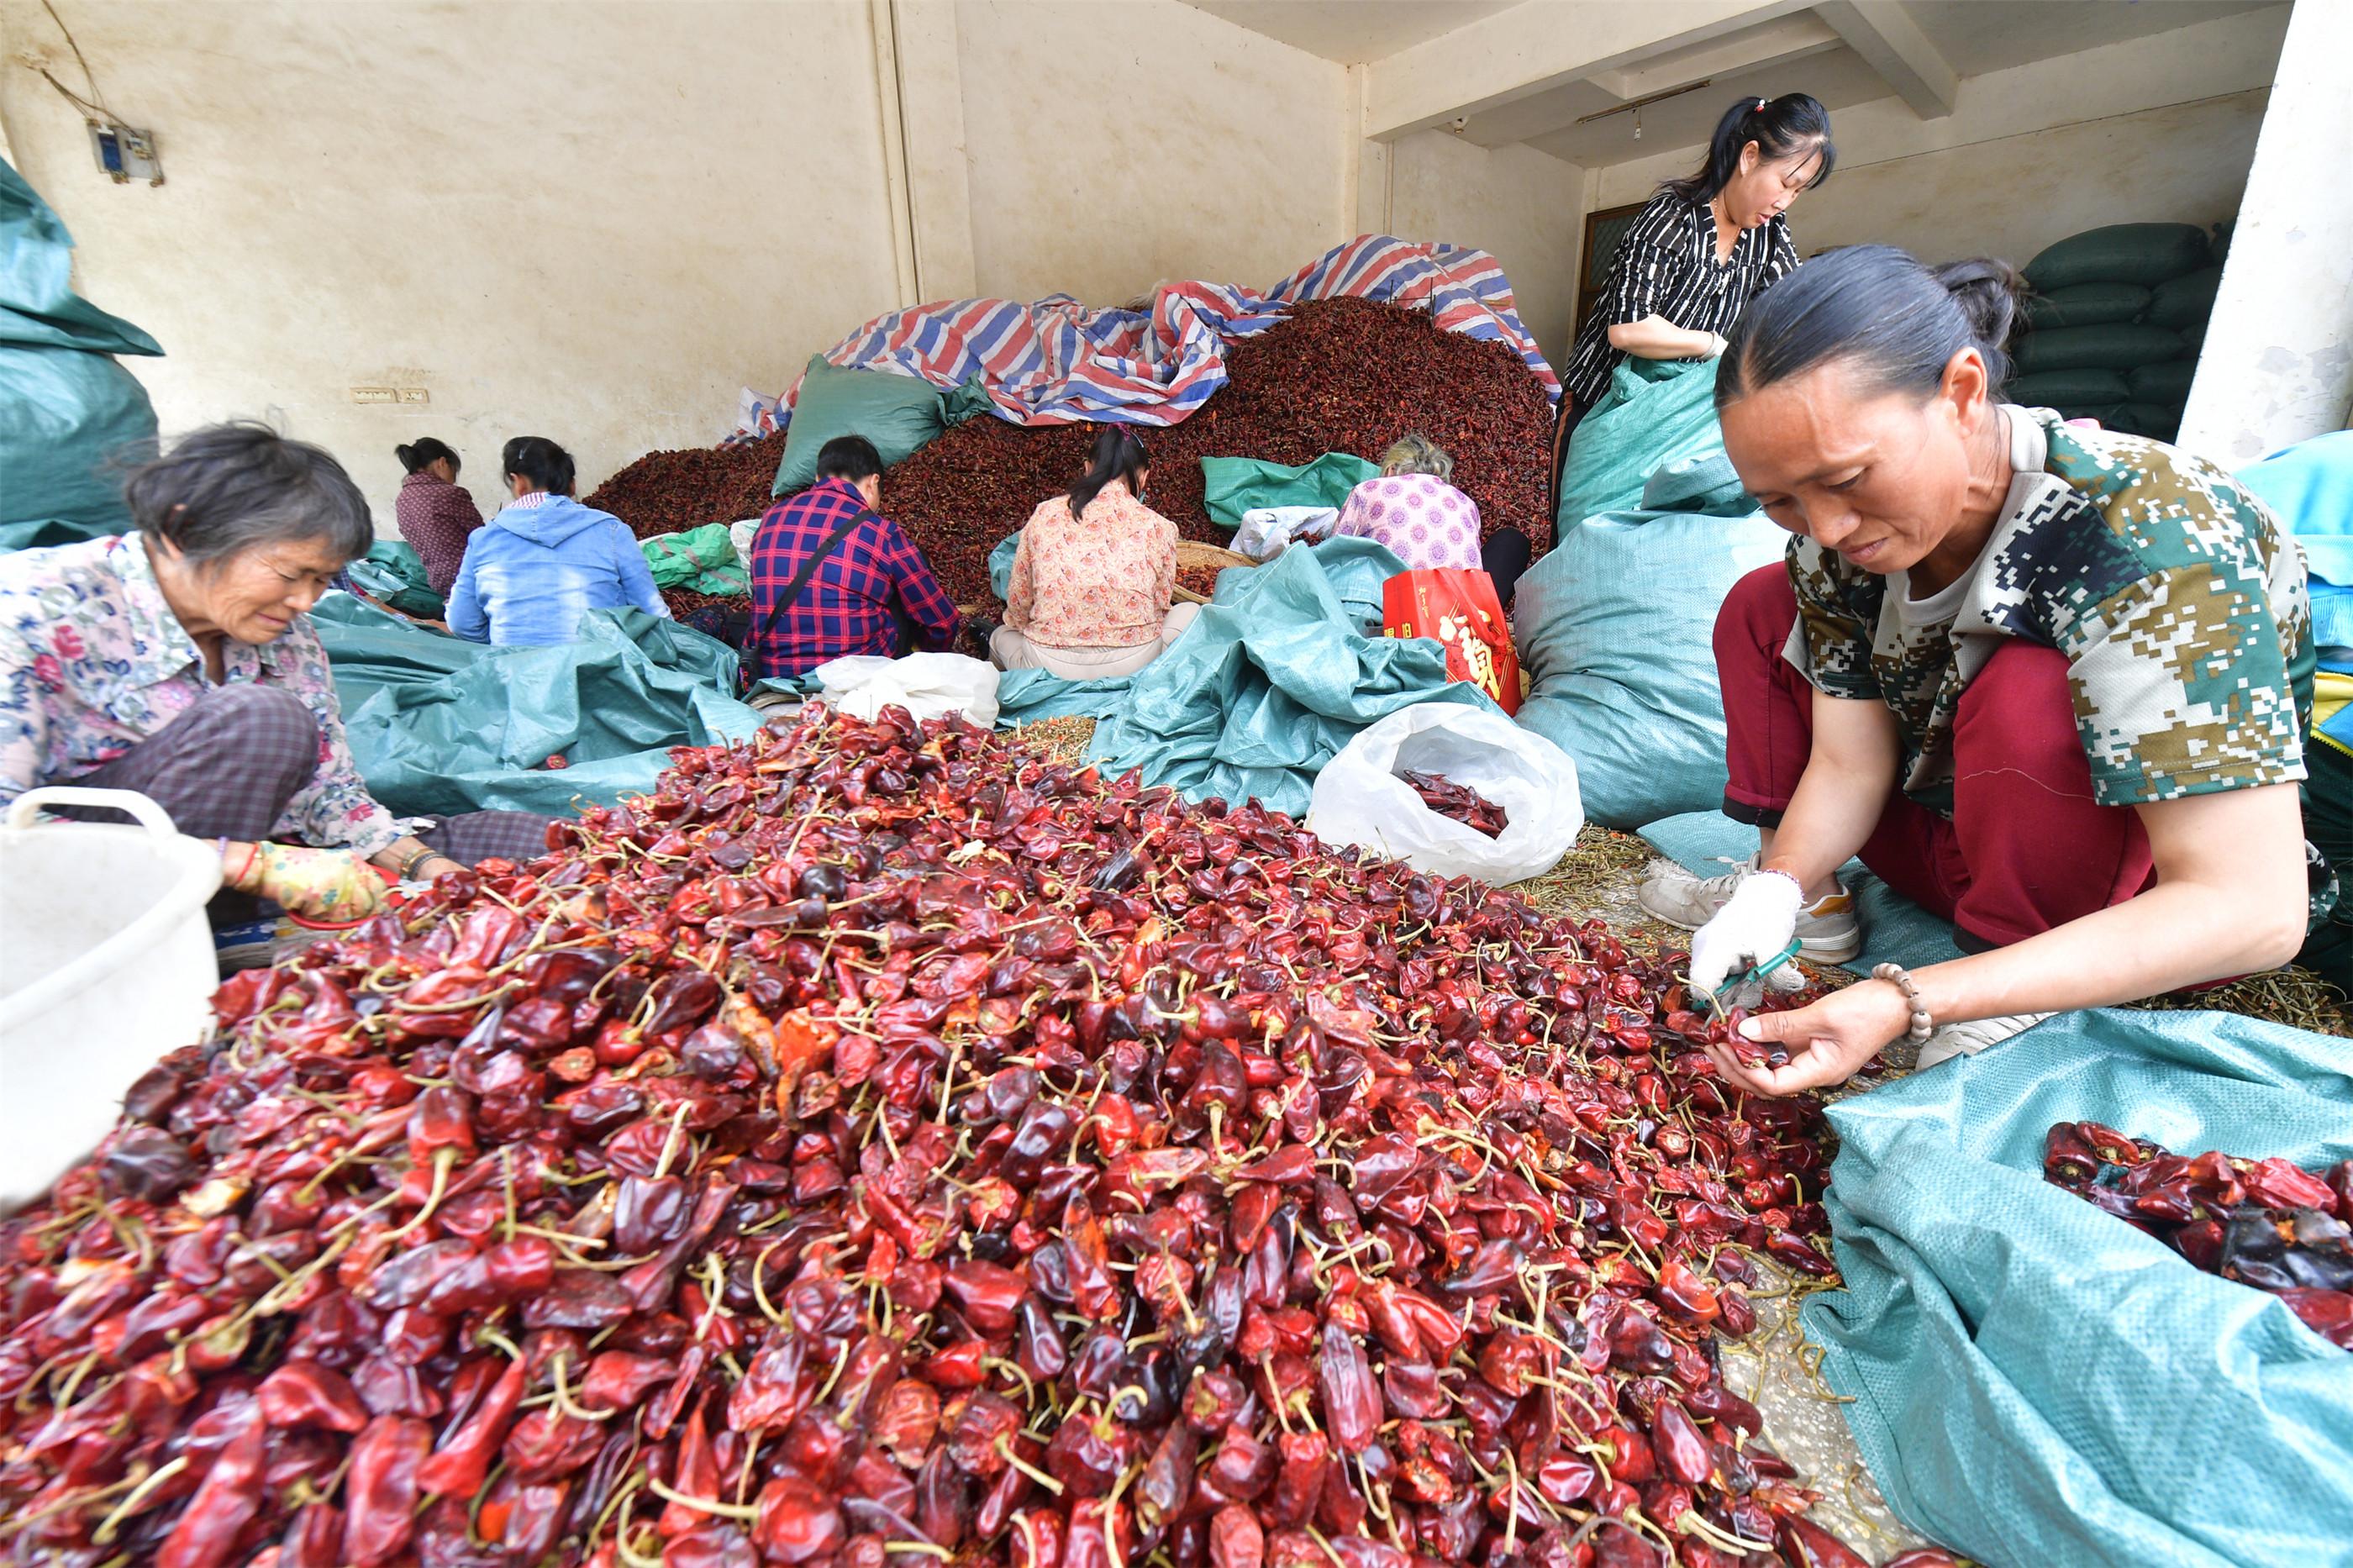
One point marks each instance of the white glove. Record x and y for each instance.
(1754, 926)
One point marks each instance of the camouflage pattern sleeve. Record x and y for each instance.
(1838, 616)
(2186, 675)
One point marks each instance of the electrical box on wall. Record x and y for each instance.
(124, 154)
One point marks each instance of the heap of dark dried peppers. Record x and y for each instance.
(1458, 801)
(881, 1145)
(2264, 1223)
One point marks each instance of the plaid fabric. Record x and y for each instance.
(437, 520)
(846, 607)
(226, 768)
(1055, 362)
(477, 836)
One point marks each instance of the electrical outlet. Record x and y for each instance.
(414, 395)
(374, 394)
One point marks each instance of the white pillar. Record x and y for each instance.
(2277, 364)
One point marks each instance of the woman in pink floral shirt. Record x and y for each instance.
(1093, 575)
(179, 661)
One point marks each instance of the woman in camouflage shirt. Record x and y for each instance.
(2050, 683)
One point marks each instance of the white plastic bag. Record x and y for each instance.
(928, 685)
(1266, 530)
(1360, 799)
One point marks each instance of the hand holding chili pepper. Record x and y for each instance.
(1828, 1041)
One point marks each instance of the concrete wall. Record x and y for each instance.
(597, 219)
(2277, 365)
(1114, 145)
(1524, 206)
(2156, 128)
(2013, 196)
(593, 222)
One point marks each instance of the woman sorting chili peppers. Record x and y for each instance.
(1094, 573)
(1701, 250)
(2050, 683)
(180, 662)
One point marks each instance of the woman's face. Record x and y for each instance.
(1764, 187)
(1878, 476)
(251, 597)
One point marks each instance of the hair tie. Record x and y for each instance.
(1760, 106)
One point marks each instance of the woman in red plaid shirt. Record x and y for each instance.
(863, 587)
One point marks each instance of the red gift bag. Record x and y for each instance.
(1459, 608)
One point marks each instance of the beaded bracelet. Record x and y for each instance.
(1898, 976)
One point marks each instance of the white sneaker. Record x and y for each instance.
(1968, 1039)
(1827, 928)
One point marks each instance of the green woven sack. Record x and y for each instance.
(2145, 252)
(2067, 388)
(897, 413)
(2120, 347)
(2087, 305)
(2186, 300)
(2166, 383)
(2157, 421)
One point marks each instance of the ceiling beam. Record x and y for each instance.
(1537, 46)
(1792, 38)
(1892, 44)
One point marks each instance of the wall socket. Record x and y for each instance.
(409, 394)
(414, 395)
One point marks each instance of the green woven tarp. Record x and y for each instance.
(2166, 382)
(394, 574)
(1655, 413)
(439, 726)
(1615, 629)
(1232, 486)
(701, 561)
(71, 419)
(1261, 690)
(2037, 1383)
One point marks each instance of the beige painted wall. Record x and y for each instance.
(1117, 144)
(2151, 129)
(1525, 207)
(2012, 196)
(579, 220)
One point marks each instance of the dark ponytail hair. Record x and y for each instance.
(547, 465)
(1119, 454)
(1781, 127)
(423, 453)
(1875, 308)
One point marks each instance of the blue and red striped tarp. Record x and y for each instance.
(1057, 363)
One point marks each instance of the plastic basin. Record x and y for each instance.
(106, 963)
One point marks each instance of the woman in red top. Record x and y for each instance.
(434, 513)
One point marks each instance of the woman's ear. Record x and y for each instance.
(1750, 156)
(1968, 386)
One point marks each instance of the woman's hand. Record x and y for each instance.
(1827, 1043)
(317, 884)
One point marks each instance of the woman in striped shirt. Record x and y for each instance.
(1703, 247)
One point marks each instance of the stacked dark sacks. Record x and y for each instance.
(2115, 326)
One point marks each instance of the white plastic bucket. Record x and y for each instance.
(106, 963)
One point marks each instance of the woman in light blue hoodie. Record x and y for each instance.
(531, 572)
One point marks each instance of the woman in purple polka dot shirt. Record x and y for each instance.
(1426, 521)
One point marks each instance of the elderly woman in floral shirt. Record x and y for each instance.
(180, 662)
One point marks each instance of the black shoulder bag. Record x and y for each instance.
(756, 644)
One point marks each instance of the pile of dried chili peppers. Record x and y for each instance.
(881, 1145)
(1461, 802)
(2264, 1223)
